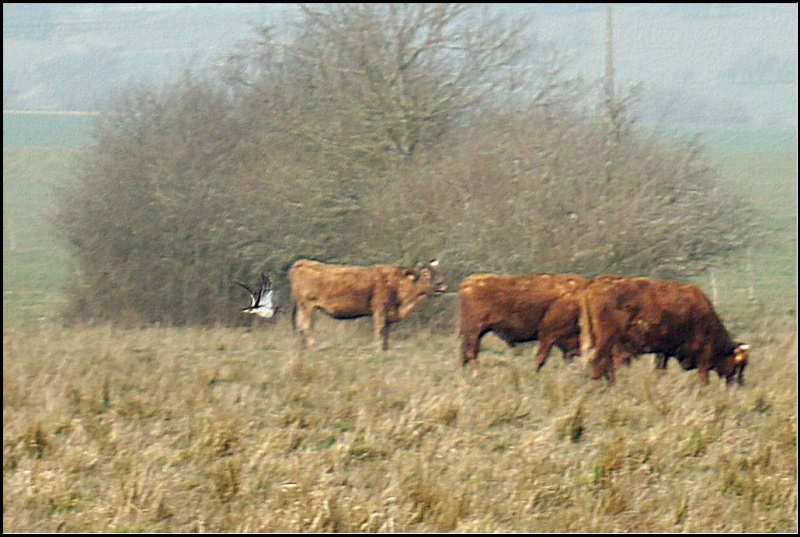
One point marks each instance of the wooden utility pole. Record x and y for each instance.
(612, 132)
(612, 110)
(609, 76)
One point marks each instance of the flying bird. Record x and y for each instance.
(260, 299)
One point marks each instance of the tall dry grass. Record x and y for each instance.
(181, 430)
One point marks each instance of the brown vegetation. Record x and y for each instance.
(375, 134)
(226, 430)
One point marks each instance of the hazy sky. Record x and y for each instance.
(701, 63)
(720, 56)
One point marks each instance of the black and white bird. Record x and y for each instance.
(261, 299)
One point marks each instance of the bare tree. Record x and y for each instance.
(372, 79)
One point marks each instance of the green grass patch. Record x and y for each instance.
(767, 273)
(768, 179)
(28, 130)
(35, 263)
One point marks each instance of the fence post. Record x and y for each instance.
(713, 287)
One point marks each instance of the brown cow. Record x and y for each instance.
(518, 309)
(629, 316)
(388, 293)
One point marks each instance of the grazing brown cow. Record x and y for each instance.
(629, 316)
(388, 293)
(517, 309)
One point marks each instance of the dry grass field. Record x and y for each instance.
(230, 430)
(181, 430)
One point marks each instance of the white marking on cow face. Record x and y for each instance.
(740, 353)
(436, 281)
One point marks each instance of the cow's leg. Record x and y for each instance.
(729, 380)
(603, 361)
(559, 326)
(661, 361)
(470, 346)
(598, 366)
(381, 327)
(570, 347)
(705, 364)
(545, 346)
(704, 371)
(304, 321)
(622, 356)
(611, 375)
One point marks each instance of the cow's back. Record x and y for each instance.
(512, 306)
(611, 305)
(668, 316)
(340, 291)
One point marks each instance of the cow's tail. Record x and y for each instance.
(587, 328)
(292, 297)
(290, 277)
(293, 308)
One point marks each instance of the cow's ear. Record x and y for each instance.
(413, 274)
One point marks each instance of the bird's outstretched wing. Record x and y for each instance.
(263, 297)
(253, 295)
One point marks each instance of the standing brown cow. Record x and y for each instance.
(640, 315)
(517, 309)
(387, 293)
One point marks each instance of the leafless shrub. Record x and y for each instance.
(154, 214)
(530, 194)
(375, 134)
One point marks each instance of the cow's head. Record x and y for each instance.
(426, 279)
(740, 360)
(734, 364)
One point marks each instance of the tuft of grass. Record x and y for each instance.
(227, 478)
(574, 426)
